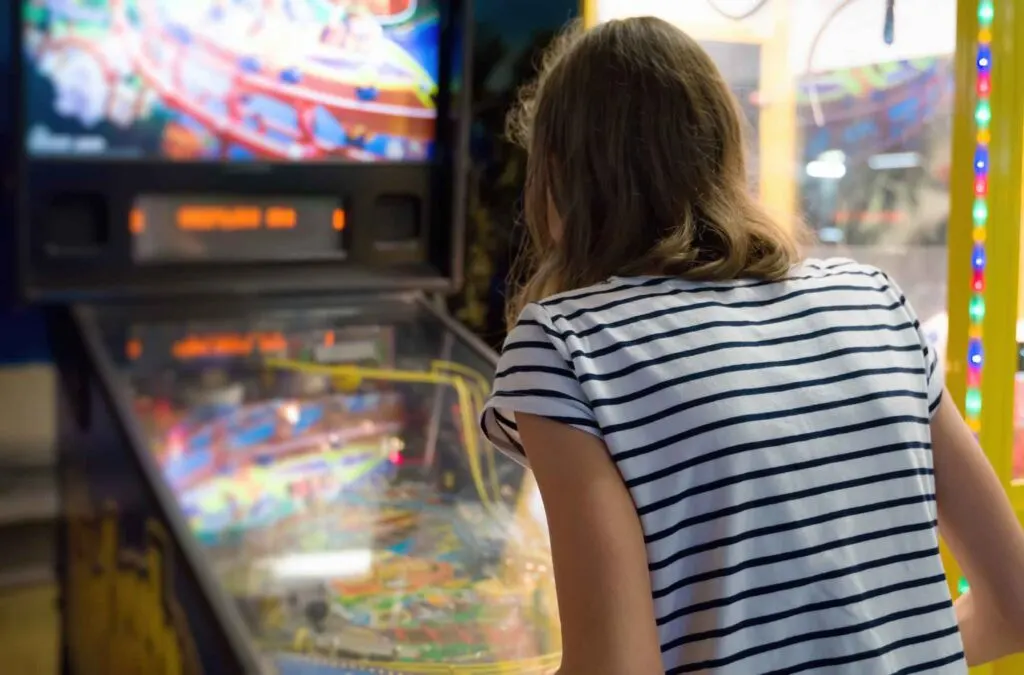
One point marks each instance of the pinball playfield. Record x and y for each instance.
(332, 477)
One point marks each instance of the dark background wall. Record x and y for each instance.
(510, 36)
(22, 338)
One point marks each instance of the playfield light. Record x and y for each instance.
(354, 564)
(979, 215)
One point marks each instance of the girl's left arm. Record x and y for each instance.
(600, 561)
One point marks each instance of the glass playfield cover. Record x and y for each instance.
(334, 477)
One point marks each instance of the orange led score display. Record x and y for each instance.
(169, 228)
(201, 218)
(226, 344)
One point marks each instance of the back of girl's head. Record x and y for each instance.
(637, 166)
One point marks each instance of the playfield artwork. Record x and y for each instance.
(316, 507)
(231, 80)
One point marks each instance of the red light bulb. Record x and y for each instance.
(984, 84)
(974, 377)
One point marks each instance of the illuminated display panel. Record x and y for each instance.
(849, 134)
(331, 346)
(207, 228)
(195, 80)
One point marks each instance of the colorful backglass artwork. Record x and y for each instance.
(227, 80)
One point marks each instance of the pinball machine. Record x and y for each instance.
(242, 218)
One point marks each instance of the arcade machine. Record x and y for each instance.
(241, 215)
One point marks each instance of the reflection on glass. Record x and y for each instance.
(343, 497)
(850, 133)
(873, 130)
(875, 157)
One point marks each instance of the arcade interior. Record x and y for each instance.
(244, 217)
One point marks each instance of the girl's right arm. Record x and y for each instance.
(980, 527)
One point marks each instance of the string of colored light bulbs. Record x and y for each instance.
(976, 308)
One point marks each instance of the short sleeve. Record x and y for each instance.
(535, 375)
(935, 379)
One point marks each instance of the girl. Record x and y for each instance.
(745, 458)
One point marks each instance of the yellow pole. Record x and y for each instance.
(1005, 173)
(588, 11)
(777, 122)
(1002, 241)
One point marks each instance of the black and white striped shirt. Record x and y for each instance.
(775, 439)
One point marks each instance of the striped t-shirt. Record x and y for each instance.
(775, 439)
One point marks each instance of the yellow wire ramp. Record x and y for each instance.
(471, 391)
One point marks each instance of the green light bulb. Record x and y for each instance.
(962, 586)
(972, 402)
(985, 13)
(983, 113)
(980, 212)
(976, 309)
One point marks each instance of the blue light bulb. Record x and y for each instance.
(978, 258)
(981, 160)
(984, 58)
(975, 355)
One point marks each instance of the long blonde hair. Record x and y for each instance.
(636, 150)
